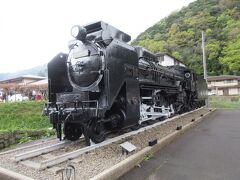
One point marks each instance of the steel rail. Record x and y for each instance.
(27, 147)
(43, 150)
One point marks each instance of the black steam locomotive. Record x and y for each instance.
(106, 85)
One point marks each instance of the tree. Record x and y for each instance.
(179, 34)
(231, 56)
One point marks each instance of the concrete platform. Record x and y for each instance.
(209, 151)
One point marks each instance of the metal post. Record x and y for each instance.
(204, 62)
(204, 56)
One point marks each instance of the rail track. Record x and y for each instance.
(40, 151)
(26, 147)
(54, 160)
(45, 156)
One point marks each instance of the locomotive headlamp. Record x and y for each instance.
(79, 32)
(75, 31)
(187, 75)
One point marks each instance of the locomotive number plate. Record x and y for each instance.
(78, 54)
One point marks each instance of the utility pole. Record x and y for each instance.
(204, 56)
(204, 63)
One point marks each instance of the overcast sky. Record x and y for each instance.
(32, 32)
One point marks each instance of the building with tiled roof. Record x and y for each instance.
(166, 59)
(22, 80)
(224, 85)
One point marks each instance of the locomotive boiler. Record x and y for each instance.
(105, 85)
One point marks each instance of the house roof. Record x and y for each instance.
(22, 77)
(223, 77)
(164, 53)
(41, 82)
(33, 77)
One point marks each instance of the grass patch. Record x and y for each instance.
(23, 116)
(148, 157)
(229, 102)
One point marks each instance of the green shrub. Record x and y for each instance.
(235, 99)
(229, 102)
(148, 156)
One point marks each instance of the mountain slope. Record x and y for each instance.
(38, 70)
(180, 35)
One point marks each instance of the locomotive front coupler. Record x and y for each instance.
(49, 108)
(56, 114)
(58, 123)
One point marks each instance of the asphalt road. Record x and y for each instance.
(210, 151)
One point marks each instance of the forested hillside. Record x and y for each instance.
(38, 70)
(180, 35)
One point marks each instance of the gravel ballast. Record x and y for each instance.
(90, 164)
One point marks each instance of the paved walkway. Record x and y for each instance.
(210, 151)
